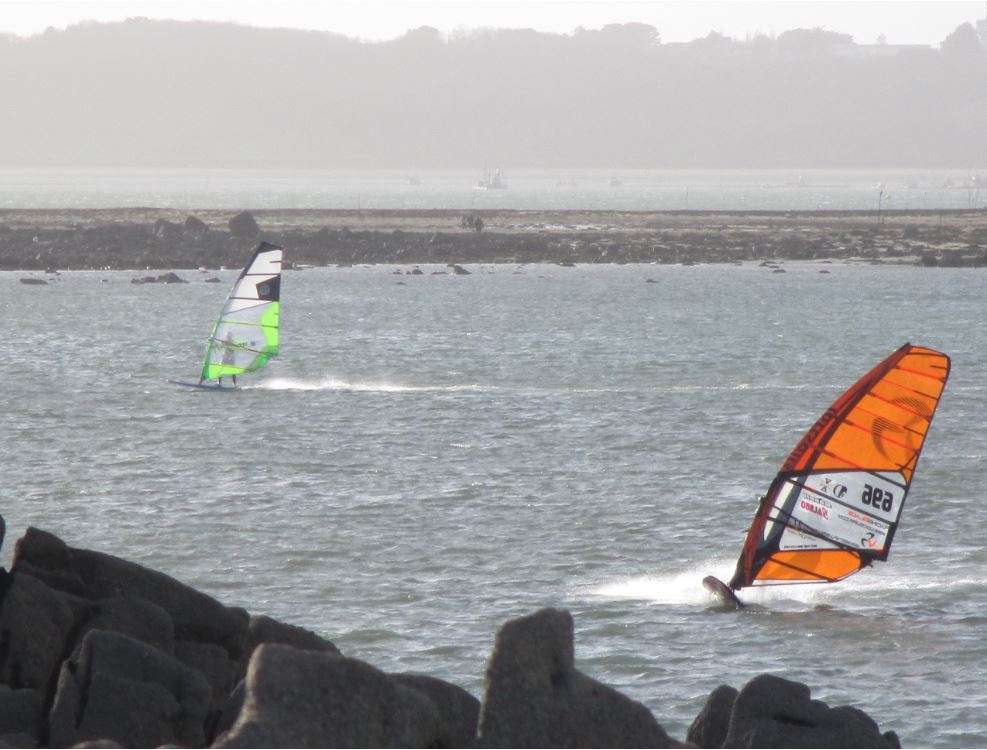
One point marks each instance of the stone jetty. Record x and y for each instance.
(96, 651)
(145, 239)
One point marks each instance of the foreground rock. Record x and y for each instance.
(296, 698)
(96, 576)
(773, 712)
(537, 698)
(115, 687)
(98, 651)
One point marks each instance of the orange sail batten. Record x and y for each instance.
(834, 506)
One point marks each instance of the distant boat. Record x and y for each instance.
(413, 178)
(834, 506)
(615, 181)
(491, 181)
(245, 336)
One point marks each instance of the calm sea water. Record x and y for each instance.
(627, 190)
(433, 455)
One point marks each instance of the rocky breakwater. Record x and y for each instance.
(165, 239)
(99, 651)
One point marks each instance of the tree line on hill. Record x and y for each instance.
(196, 94)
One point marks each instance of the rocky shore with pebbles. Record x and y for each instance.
(149, 238)
(96, 651)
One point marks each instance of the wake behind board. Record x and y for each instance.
(205, 386)
(723, 592)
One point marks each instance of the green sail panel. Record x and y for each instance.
(245, 336)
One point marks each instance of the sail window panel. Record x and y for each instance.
(247, 316)
(232, 361)
(267, 263)
(794, 540)
(236, 305)
(236, 336)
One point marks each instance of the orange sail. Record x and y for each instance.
(834, 506)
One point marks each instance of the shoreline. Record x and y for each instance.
(151, 238)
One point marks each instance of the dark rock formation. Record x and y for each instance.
(535, 696)
(113, 687)
(165, 230)
(35, 625)
(215, 664)
(99, 652)
(459, 710)
(195, 225)
(20, 715)
(95, 576)
(297, 698)
(709, 728)
(243, 226)
(164, 278)
(132, 616)
(774, 712)
(264, 629)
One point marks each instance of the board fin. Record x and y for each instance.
(722, 592)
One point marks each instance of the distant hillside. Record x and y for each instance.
(200, 94)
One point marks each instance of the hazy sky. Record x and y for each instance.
(676, 20)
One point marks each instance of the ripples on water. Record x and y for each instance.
(428, 459)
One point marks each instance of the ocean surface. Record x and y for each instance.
(433, 455)
(618, 190)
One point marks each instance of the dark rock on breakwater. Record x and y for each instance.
(96, 651)
(46, 239)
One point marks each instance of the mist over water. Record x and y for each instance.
(429, 459)
(527, 189)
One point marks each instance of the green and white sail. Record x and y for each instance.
(246, 335)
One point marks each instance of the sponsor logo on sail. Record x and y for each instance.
(868, 540)
(814, 508)
(830, 488)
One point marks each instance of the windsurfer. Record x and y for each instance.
(229, 356)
